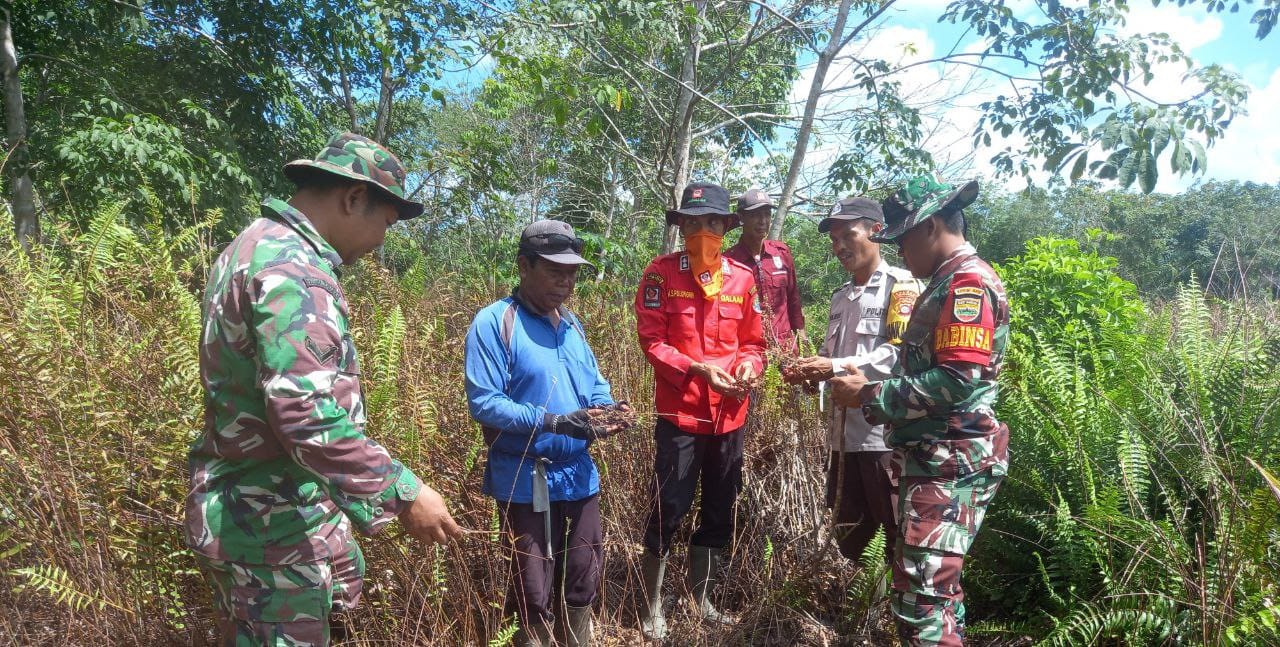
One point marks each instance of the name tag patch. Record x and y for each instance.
(686, 294)
(962, 337)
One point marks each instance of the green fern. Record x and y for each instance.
(510, 627)
(55, 581)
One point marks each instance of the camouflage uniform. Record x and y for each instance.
(283, 467)
(950, 452)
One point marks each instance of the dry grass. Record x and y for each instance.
(99, 406)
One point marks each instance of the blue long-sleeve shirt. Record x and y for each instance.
(546, 369)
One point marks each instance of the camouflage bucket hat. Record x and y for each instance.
(922, 197)
(359, 158)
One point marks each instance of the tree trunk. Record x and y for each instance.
(348, 101)
(685, 103)
(825, 58)
(26, 225)
(612, 183)
(386, 91)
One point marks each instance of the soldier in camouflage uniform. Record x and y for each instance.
(950, 452)
(283, 468)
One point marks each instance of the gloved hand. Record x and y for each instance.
(575, 425)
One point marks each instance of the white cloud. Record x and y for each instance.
(1250, 151)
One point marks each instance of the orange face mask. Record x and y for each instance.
(704, 260)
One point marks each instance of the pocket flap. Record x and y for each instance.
(730, 311)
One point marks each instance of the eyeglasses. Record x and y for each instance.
(552, 244)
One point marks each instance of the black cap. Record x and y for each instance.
(703, 199)
(852, 209)
(553, 240)
(754, 199)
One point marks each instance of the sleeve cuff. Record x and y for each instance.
(871, 409)
(394, 500)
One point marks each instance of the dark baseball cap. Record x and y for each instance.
(852, 209)
(754, 199)
(703, 199)
(553, 240)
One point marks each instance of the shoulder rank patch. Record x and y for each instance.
(312, 282)
(652, 296)
(654, 277)
(684, 262)
(323, 355)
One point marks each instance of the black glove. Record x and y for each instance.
(574, 425)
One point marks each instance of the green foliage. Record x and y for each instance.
(1128, 492)
(57, 584)
(507, 633)
(1088, 96)
(1062, 292)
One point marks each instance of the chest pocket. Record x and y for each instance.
(730, 321)
(872, 325)
(682, 320)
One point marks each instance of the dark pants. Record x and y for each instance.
(576, 545)
(681, 461)
(866, 502)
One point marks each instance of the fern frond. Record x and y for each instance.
(55, 581)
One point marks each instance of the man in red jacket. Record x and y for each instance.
(774, 268)
(698, 319)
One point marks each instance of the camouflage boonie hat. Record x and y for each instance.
(922, 197)
(360, 158)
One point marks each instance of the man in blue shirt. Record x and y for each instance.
(535, 388)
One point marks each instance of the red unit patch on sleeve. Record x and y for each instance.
(967, 324)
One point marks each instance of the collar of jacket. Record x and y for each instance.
(277, 209)
(874, 283)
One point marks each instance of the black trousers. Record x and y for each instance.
(866, 501)
(574, 566)
(682, 461)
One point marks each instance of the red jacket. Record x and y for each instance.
(776, 278)
(678, 326)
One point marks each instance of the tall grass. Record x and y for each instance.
(1130, 516)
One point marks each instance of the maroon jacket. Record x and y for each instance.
(776, 277)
